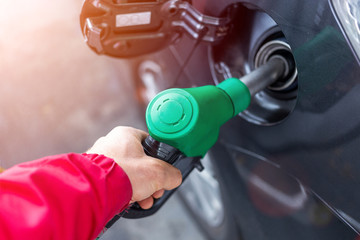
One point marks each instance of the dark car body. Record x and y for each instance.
(293, 173)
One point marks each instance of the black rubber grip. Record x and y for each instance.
(160, 150)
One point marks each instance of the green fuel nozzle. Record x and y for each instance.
(190, 119)
(184, 123)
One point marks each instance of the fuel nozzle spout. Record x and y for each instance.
(274, 70)
(189, 119)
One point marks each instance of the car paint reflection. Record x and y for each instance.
(279, 198)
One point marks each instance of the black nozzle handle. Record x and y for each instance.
(163, 152)
(170, 155)
(160, 150)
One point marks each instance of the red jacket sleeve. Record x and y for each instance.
(70, 196)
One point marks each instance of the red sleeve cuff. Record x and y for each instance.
(119, 188)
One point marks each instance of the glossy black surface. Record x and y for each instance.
(277, 205)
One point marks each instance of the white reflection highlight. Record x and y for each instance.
(294, 202)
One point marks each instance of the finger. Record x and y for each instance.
(141, 135)
(158, 194)
(137, 133)
(171, 176)
(121, 131)
(146, 203)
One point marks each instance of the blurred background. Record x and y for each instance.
(58, 96)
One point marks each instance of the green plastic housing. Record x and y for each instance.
(190, 119)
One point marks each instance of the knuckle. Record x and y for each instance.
(100, 141)
(159, 173)
(178, 177)
(117, 129)
(122, 130)
(126, 129)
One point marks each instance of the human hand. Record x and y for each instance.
(149, 176)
